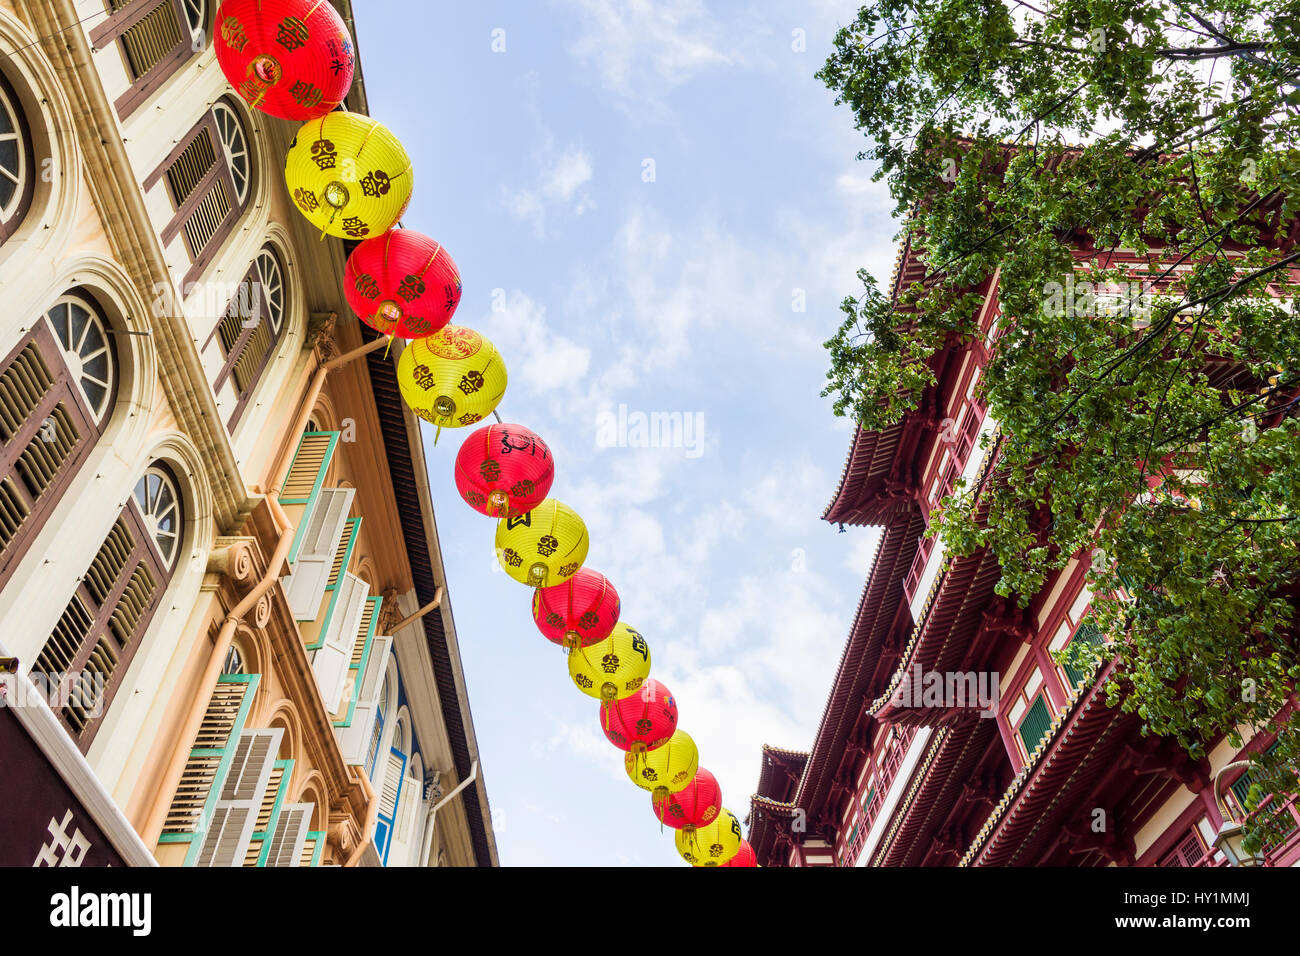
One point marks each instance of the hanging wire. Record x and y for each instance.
(50, 36)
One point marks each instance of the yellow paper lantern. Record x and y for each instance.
(348, 175)
(452, 378)
(613, 668)
(666, 769)
(713, 844)
(544, 546)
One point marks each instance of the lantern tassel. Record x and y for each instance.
(388, 346)
(333, 215)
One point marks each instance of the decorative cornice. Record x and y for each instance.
(110, 179)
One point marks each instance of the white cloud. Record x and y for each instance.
(558, 187)
(538, 361)
(570, 171)
(642, 50)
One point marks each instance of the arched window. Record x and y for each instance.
(247, 333)
(160, 508)
(209, 177)
(17, 178)
(154, 37)
(234, 662)
(104, 622)
(83, 337)
(234, 147)
(56, 390)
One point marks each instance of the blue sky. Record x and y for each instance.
(678, 294)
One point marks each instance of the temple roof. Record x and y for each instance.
(1082, 745)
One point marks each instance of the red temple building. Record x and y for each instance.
(1049, 776)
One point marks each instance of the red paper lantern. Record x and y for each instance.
(745, 856)
(642, 722)
(697, 805)
(288, 58)
(578, 613)
(402, 283)
(504, 471)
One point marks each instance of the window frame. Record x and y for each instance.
(113, 30)
(12, 220)
(96, 319)
(143, 553)
(63, 392)
(217, 175)
(1029, 698)
(257, 279)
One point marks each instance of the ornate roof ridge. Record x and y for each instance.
(894, 278)
(905, 660)
(784, 752)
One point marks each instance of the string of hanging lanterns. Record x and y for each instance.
(350, 177)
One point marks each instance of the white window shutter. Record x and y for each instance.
(392, 782)
(324, 526)
(290, 835)
(226, 841)
(354, 740)
(334, 658)
(404, 827)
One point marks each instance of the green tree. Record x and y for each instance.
(1012, 134)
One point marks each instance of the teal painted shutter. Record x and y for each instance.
(313, 848)
(321, 534)
(1241, 787)
(1088, 633)
(333, 659)
(210, 758)
(286, 846)
(227, 838)
(342, 561)
(357, 739)
(276, 795)
(361, 651)
(302, 486)
(1035, 725)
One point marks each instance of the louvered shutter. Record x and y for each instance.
(234, 822)
(1035, 725)
(404, 827)
(312, 848)
(1088, 633)
(291, 835)
(45, 434)
(155, 40)
(356, 665)
(342, 562)
(389, 799)
(194, 803)
(354, 739)
(277, 794)
(319, 543)
(333, 659)
(302, 486)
